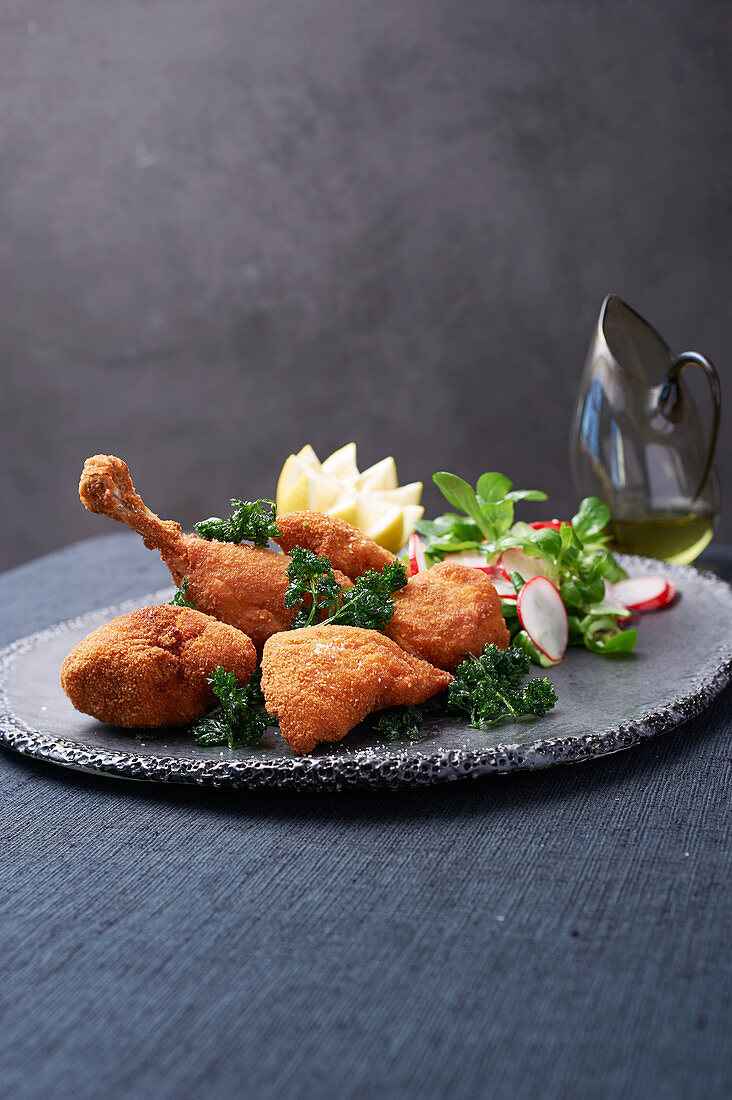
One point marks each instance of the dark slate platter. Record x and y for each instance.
(683, 660)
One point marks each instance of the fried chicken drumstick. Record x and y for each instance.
(345, 547)
(321, 681)
(149, 668)
(241, 585)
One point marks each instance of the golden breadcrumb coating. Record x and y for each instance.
(347, 548)
(241, 585)
(445, 612)
(148, 668)
(321, 681)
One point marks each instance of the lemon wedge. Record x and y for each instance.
(342, 463)
(405, 495)
(382, 475)
(382, 522)
(323, 491)
(346, 507)
(292, 485)
(373, 501)
(411, 515)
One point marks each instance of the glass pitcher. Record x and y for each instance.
(638, 441)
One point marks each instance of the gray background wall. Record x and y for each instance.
(230, 227)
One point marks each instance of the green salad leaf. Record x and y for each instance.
(600, 635)
(489, 508)
(575, 557)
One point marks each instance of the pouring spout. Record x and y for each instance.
(635, 345)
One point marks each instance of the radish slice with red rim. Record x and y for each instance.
(515, 561)
(544, 617)
(555, 524)
(611, 595)
(417, 559)
(645, 593)
(504, 588)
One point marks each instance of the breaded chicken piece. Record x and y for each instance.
(445, 612)
(149, 668)
(241, 585)
(347, 548)
(321, 681)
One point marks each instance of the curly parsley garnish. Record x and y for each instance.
(315, 592)
(313, 589)
(369, 603)
(179, 599)
(400, 723)
(241, 718)
(488, 688)
(252, 521)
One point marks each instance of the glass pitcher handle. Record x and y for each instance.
(684, 360)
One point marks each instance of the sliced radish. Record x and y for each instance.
(544, 618)
(611, 595)
(515, 561)
(555, 524)
(645, 593)
(503, 587)
(417, 559)
(475, 561)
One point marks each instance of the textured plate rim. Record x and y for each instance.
(368, 769)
